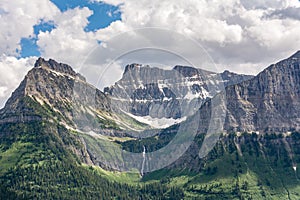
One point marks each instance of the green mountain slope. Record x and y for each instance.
(239, 167)
(39, 160)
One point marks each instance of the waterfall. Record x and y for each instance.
(144, 159)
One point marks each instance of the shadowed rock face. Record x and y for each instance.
(270, 102)
(147, 91)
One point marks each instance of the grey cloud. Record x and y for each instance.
(290, 12)
(263, 4)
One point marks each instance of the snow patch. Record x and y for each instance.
(203, 94)
(156, 122)
(167, 99)
(191, 96)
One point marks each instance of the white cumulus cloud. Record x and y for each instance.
(12, 71)
(17, 21)
(237, 33)
(68, 42)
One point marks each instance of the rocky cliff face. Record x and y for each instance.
(158, 93)
(269, 102)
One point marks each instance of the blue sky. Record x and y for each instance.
(103, 15)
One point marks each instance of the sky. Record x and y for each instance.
(98, 38)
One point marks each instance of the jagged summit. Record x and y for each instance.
(58, 67)
(160, 93)
(185, 71)
(53, 65)
(131, 67)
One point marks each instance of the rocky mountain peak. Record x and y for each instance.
(162, 93)
(132, 66)
(57, 88)
(53, 65)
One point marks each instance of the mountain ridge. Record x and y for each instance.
(78, 140)
(159, 93)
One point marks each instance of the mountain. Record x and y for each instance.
(265, 104)
(67, 99)
(43, 129)
(257, 154)
(157, 93)
(62, 138)
(270, 102)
